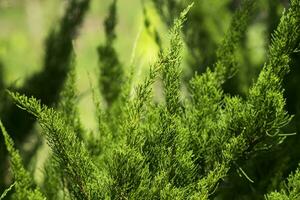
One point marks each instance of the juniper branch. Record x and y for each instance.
(82, 175)
(171, 69)
(25, 188)
(260, 116)
(266, 95)
(127, 157)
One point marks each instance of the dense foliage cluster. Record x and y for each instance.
(199, 145)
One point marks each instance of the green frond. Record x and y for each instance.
(266, 95)
(285, 40)
(85, 180)
(171, 72)
(164, 64)
(24, 186)
(244, 124)
(127, 157)
(208, 85)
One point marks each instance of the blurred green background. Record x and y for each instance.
(25, 24)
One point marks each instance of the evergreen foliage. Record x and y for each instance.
(290, 191)
(24, 186)
(188, 146)
(54, 180)
(203, 38)
(82, 176)
(47, 83)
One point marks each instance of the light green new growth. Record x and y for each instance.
(128, 168)
(168, 63)
(171, 72)
(25, 189)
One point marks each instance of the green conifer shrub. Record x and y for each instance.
(185, 147)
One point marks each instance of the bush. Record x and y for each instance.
(191, 146)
